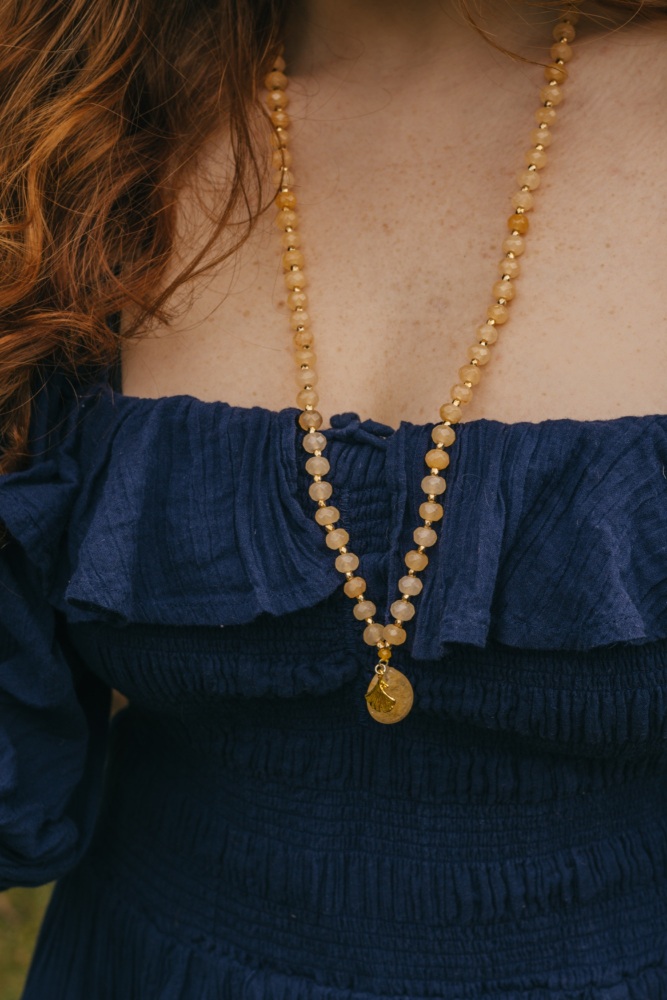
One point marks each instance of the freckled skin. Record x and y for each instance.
(403, 186)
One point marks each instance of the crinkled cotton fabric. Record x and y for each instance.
(244, 830)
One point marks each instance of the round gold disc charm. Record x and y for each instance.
(389, 695)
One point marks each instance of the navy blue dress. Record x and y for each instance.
(244, 830)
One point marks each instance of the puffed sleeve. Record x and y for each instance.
(53, 710)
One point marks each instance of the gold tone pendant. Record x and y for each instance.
(389, 696)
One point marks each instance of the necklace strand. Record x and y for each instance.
(389, 696)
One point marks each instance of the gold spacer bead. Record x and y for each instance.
(328, 527)
(385, 653)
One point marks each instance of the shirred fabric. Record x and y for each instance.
(244, 829)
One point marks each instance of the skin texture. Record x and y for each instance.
(408, 132)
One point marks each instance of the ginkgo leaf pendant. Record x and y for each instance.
(389, 696)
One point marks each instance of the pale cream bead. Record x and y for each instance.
(504, 290)
(450, 412)
(553, 94)
(462, 392)
(509, 266)
(394, 634)
(283, 179)
(291, 240)
(524, 200)
(514, 244)
(416, 560)
(540, 137)
(487, 332)
(561, 50)
(433, 484)
(430, 511)
(295, 279)
(442, 434)
(303, 338)
(403, 610)
(347, 562)
(564, 32)
(546, 115)
(410, 585)
(314, 442)
(338, 536)
(321, 491)
(299, 318)
(292, 258)
(327, 515)
(317, 465)
(364, 609)
(529, 178)
(305, 356)
(354, 587)
(537, 157)
(373, 634)
(287, 219)
(277, 99)
(499, 314)
(425, 537)
(436, 458)
(480, 353)
(297, 300)
(470, 373)
(310, 418)
(307, 397)
(306, 376)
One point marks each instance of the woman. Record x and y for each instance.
(245, 828)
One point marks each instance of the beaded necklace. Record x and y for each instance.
(390, 695)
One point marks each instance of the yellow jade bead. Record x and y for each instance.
(300, 318)
(504, 290)
(287, 219)
(546, 116)
(286, 200)
(436, 459)
(279, 64)
(306, 376)
(293, 258)
(425, 537)
(281, 158)
(279, 138)
(275, 80)
(509, 267)
(314, 441)
(540, 137)
(364, 609)
(283, 179)
(416, 560)
(280, 119)
(308, 419)
(305, 355)
(373, 634)
(403, 610)
(518, 224)
(514, 244)
(347, 562)
(470, 373)
(338, 536)
(322, 491)
(499, 314)
(327, 515)
(524, 200)
(307, 397)
(537, 157)
(317, 465)
(303, 339)
(480, 353)
(462, 392)
(553, 94)
(410, 585)
(530, 178)
(442, 434)
(564, 32)
(291, 240)
(561, 50)
(557, 73)
(297, 300)
(355, 587)
(295, 279)
(394, 634)
(433, 485)
(277, 99)
(487, 332)
(430, 511)
(450, 412)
